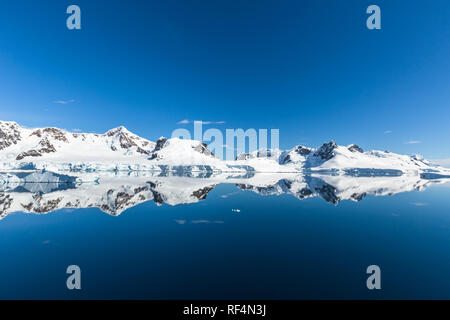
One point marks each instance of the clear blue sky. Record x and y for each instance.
(310, 68)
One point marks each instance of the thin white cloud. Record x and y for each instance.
(209, 122)
(76, 130)
(388, 132)
(413, 142)
(186, 121)
(64, 101)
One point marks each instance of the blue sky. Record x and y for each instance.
(310, 68)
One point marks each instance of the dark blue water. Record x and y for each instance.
(276, 247)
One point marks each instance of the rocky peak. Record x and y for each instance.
(160, 143)
(126, 139)
(301, 150)
(56, 134)
(326, 151)
(203, 148)
(118, 130)
(9, 134)
(355, 148)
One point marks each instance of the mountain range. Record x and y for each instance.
(118, 149)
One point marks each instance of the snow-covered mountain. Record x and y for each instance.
(331, 157)
(118, 149)
(23, 145)
(116, 194)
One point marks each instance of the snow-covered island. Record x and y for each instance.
(47, 169)
(57, 150)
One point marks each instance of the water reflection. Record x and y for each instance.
(113, 193)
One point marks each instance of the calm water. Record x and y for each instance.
(276, 247)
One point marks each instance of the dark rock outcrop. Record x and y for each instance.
(355, 148)
(326, 151)
(203, 148)
(160, 144)
(30, 153)
(9, 135)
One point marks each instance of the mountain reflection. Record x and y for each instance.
(114, 193)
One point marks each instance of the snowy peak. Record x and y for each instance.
(9, 134)
(326, 151)
(298, 154)
(121, 138)
(42, 144)
(179, 152)
(51, 133)
(355, 148)
(332, 157)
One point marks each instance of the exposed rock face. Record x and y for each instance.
(290, 156)
(9, 134)
(47, 147)
(285, 159)
(126, 139)
(56, 134)
(37, 133)
(31, 153)
(304, 151)
(326, 151)
(355, 148)
(53, 133)
(160, 144)
(126, 142)
(203, 148)
(142, 151)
